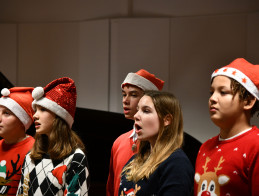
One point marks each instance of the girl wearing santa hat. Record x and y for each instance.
(228, 164)
(15, 119)
(160, 167)
(126, 144)
(57, 164)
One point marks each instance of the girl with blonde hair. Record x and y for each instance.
(160, 167)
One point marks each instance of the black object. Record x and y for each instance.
(4, 82)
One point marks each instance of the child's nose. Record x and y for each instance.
(212, 97)
(126, 99)
(136, 116)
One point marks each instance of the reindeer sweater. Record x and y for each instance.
(174, 176)
(229, 167)
(11, 160)
(47, 177)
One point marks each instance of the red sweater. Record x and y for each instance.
(121, 152)
(229, 167)
(11, 160)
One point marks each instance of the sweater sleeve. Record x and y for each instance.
(177, 176)
(77, 176)
(110, 181)
(254, 173)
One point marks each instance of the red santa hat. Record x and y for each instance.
(243, 72)
(129, 192)
(59, 96)
(144, 80)
(18, 100)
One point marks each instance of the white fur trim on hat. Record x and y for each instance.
(239, 77)
(55, 108)
(139, 81)
(14, 107)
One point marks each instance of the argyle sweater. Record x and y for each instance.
(11, 160)
(47, 177)
(120, 154)
(229, 167)
(174, 176)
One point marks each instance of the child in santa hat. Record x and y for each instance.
(228, 164)
(125, 146)
(57, 164)
(15, 119)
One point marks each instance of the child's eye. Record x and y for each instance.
(223, 92)
(146, 111)
(42, 109)
(7, 113)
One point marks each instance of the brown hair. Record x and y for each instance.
(244, 94)
(169, 138)
(61, 142)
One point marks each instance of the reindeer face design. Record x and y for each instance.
(6, 178)
(209, 183)
(130, 192)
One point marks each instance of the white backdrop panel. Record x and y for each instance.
(198, 46)
(93, 69)
(135, 44)
(8, 51)
(47, 51)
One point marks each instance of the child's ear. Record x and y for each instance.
(249, 103)
(168, 119)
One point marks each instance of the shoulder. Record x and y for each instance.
(30, 140)
(178, 160)
(212, 142)
(178, 155)
(178, 169)
(78, 154)
(28, 157)
(122, 137)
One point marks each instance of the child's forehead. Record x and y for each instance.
(130, 87)
(221, 80)
(2, 107)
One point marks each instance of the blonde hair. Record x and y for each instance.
(61, 142)
(169, 138)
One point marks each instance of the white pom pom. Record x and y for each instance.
(37, 93)
(5, 92)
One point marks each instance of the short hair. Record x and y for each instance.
(244, 94)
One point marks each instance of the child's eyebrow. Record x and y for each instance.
(146, 107)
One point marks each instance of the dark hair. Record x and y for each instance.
(61, 142)
(244, 94)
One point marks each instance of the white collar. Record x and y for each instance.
(242, 132)
(133, 134)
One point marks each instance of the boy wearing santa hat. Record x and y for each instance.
(125, 145)
(15, 118)
(228, 164)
